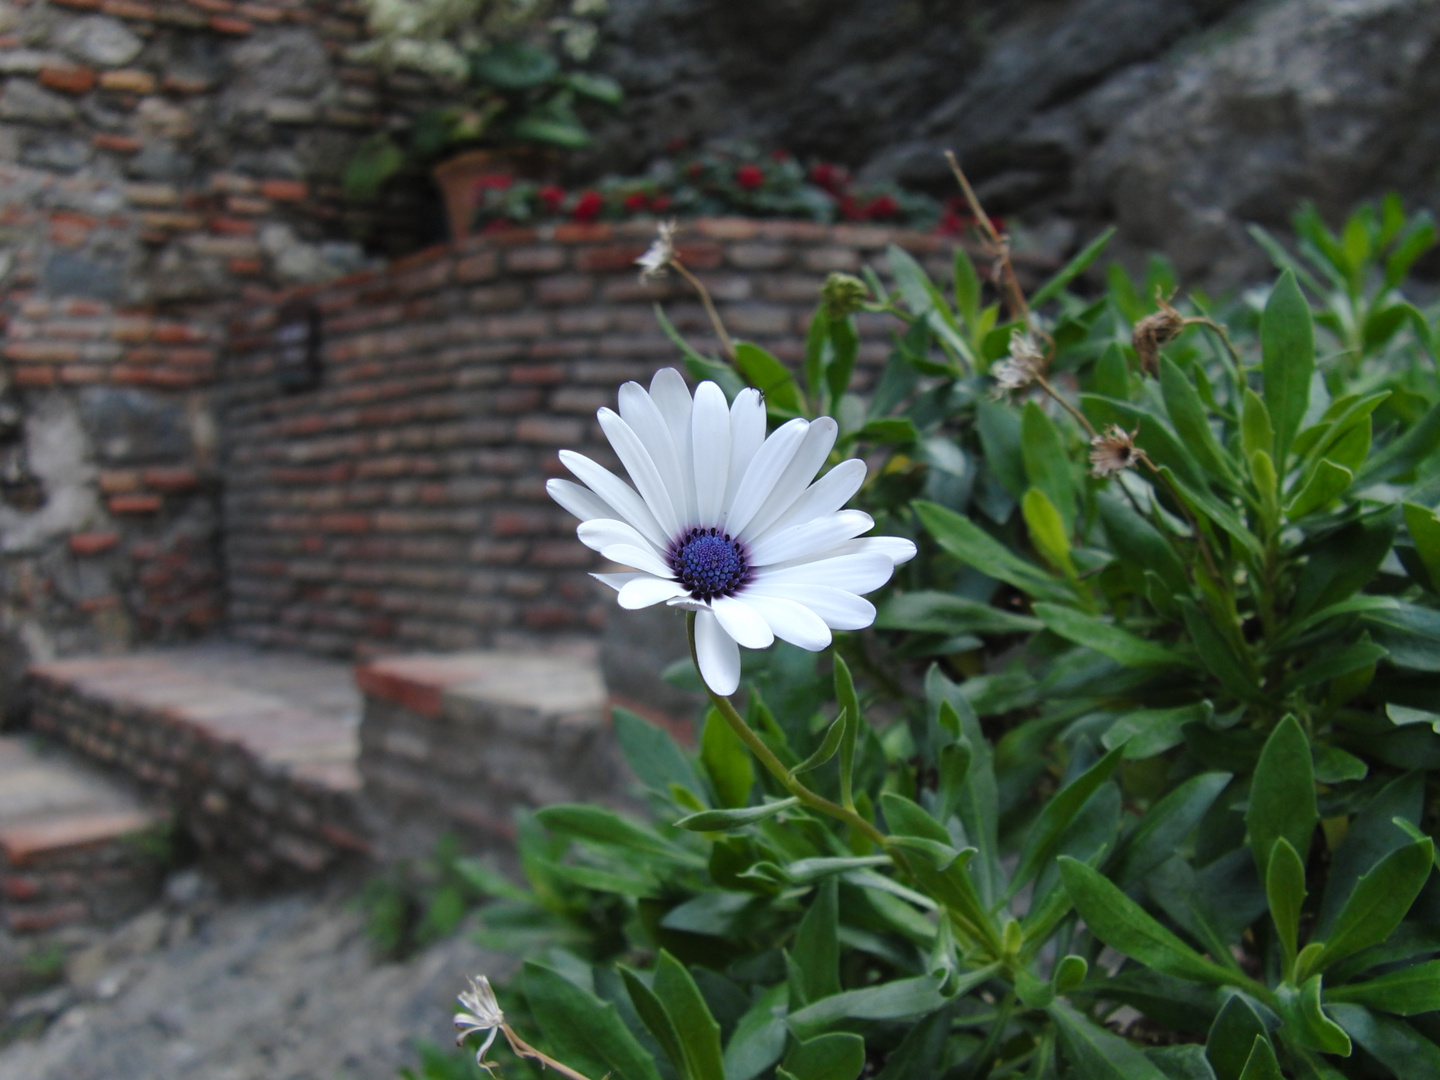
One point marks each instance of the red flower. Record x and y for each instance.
(588, 206)
(950, 223)
(779, 155)
(498, 225)
(695, 169)
(830, 177)
(675, 145)
(882, 208)
(850, 209)
(749, 177)
(660, 203)
(636, 201)
(551, 197)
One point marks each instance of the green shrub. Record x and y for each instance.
(1135, 777)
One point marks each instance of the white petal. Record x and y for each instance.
(645, 591)
(718, 654)
(809, 538)
(814, 449)
(859, 573)
(640, 558)
(642, 470)
(896, 548)
(841, 610)
(825, 496)
(710, 440)
(618, 581)
(579, 501)
(672, 397)
(747, 433)
(645, 419)
(617, 493)
(765, 469)
(792, 622)
(599, 533)
(742, 622)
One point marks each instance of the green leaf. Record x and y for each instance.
(1287, 344)
(828, 745)
(759, 1036)
(1047, 531)
(1126, 927)
(652, 754)
(726, 761)
(550, 127)
(1424, 526)
(1147, 732)
(1139, 543)
(945, 613)
(1057, 815)
(967, 542)
(725, 820)
(1096, 1053)
(375, 161)
(839, 1055)
(514, 65)
(896, 430)
(700, 367)
(845, 347)
(656, 1020)
(1285, 891)
(817, 944)
(850, 712)
(1406, 992)
(1257, 434)
(1326, 484)
(1107, 639)
(1394, 1043)
(1261, 1064)
(925, 301)
(1047, 465)
(599, 88)
(581, 1029)
(768, 375)
(896, 1000)
(1380, 900)
(699, 1033)
(1402, 455)
(606, 828)
(1305, 1019)
(1071, 270)
(998, 426)
(1230, 1043)
(1164, 828)
(1282, 794)
(1111, 377)
(1187, 413)
(1344, 563)
(1409, 633)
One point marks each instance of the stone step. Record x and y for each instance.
(254, 750)
(454, 743)
(72, 841)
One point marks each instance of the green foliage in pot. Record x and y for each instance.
(1134, 780)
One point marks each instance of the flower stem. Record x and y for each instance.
(777, 767)
(1071, 409)
(999, 245)
(525, 1050)
(727, 346)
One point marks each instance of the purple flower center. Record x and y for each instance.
(709, 563)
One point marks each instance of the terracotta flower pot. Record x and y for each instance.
(459, 177)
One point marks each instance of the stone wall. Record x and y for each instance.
(401, 504)
(158, 158)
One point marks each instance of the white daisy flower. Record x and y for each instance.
(660, 254)
(482, 1014)
(725, 522)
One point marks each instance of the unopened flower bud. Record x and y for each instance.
(843, 294)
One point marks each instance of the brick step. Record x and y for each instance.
(255, 751)
(76, 846)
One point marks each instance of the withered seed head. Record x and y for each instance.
(1154, 330)
(1113, 452)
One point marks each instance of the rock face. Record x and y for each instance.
(1180, 120)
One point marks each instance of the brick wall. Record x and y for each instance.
(158, 158)
(401, 503)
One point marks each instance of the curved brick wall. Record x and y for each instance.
(401, 503)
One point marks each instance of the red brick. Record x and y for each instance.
(537, 373)
(728, 228)
(224, 24)
(82, 5)
(118, 144)
(534, 260)
(22, 843)
(231, 226)
(177, 331)
(179, 84)
(284, 190)
(345, 523)
(566, 289)
(128, 81)
(612, 257)
(570, 233)
(71, 228)
(69, 80)
(130, 329)
(261, 12)
(128, 9)
(35, 920)
(83, 374)
(20, 887)
(214, 7)
(43, 352)
(134, 504)
(548, 617)
(93, 543)
(170, 479)
(246, 267)
(99, 603)
(479, 267)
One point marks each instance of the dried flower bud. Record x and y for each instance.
(1023, 366)
(1154, 330)
(843, 295)
(1113, 451)
(660, 254)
